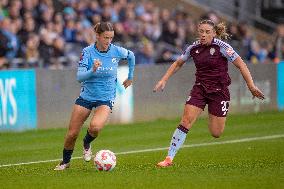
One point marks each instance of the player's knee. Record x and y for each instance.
(72, 135)
(216, 133)
(95, 128)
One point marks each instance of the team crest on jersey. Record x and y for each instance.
(114, 60)
(230, 51)
(197, 51)
(212, 51)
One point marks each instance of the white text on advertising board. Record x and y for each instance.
(8, 106)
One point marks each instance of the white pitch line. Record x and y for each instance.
(165, 148)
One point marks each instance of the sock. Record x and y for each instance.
(177, 140)
(88, 139)
(67, 155)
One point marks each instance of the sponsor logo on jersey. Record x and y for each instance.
(230, 51)
(105, 68)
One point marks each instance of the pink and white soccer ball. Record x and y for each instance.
(105, 160)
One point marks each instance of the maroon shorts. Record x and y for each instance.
(218, 102)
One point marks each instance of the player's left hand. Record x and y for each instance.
(256, 93)
(127, 83)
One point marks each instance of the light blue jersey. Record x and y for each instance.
(101, 85)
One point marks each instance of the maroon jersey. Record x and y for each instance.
(211, 63)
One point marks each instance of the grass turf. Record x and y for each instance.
(254, 164)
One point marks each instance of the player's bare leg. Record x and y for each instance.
(190, 115)
(78, 117)
(216, 125)
(98, 121)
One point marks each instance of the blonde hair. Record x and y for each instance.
(220, 29)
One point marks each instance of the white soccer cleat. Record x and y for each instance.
(62, 166)
(87, 154)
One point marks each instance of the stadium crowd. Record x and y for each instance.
(52, 33)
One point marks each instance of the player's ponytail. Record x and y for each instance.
(102, 27)
(220, 29)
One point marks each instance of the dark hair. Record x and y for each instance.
(102, 27)
(220, 29)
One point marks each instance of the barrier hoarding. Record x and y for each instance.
(280, 85)
(18, 100)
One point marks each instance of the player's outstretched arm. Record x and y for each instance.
(172, 69)
(239, 63)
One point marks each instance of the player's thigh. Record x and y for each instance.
(190, 114)
(195, 104)
(216, 125)
(78, 117)
(218, 107)
(100, 116)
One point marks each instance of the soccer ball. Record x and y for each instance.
(105, 160)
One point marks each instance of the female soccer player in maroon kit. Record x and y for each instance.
(211, 57)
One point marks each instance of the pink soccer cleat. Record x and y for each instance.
(166, 163)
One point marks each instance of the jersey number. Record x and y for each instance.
(225, 107)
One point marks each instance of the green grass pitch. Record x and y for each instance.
(254, 163)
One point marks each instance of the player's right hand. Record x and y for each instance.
(256, 93)
(97, 63)
(159, 86)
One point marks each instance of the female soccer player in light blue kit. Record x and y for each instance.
(97, 73)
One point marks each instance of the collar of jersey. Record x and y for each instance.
(95, 45)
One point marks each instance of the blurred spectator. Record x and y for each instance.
(3, 63)
(234, 33)
(165, 16)
(30, 6)
(3, 9)
(146, 54)
(170, 33)
(120, 36)
(9, 29)
(31, 51)
(166, 57)
(211, 16)
(46, 47)
(279, 43)
(3, 50)
(41, 31)
(69, 31)
(14, 9)
(190, 30)
(263, 54)
(92, 9)
(58, 60)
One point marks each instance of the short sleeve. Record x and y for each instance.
(122, 52)
(186, 54)
(229, 53)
